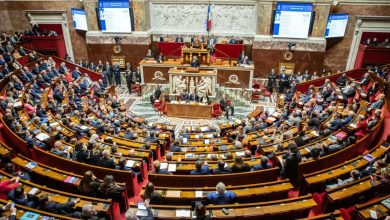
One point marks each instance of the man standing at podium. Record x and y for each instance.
(195, 62)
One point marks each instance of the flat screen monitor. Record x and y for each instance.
(337, 24)
(292, 20)
(114, 16)
(79, 19)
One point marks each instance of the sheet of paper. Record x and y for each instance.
(199, 194)
(373, 214)
(141, 206)
(183, 213)
(172, 167)
(130, 163)
(42, 136)
(163, 166)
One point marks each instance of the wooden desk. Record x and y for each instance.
(202, 54)
(363, 210)
(278, 209)
(157, 73)
(189, 110)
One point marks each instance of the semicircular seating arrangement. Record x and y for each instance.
(68, 143)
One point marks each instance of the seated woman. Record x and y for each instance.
(153, 196)
(89, 184)
(110, 190)
(7, 186)
(239, 165)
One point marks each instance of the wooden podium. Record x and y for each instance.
(202, 54)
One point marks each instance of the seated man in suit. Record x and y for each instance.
(201, 168)
(195, 41)
(232, 40)
(58, 149)
(221, 196)
(76, 73)
(179, 39)
(264, 164)
(364, 80)
(342, 80)
(183, 96)
(336, 123)
(378, 104)
(195, 62)
(223, 168)
(160, 58)
(225, 107)
(245, 61)
(157, 170)
(46, 204)
(192, 97)
(149, 55)
(106, 161)
(348, 91)
(175, 147)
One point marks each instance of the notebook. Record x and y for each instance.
(130, 163)
(29, 216)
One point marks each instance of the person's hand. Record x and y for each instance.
(6, 207)
(147, 202)
(77, 200)
(13, 179)
(13, 211)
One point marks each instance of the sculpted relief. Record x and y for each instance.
(192, 17)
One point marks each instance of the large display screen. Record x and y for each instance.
(79, 19)
(292, 20)
(114, 16)
(337, 23)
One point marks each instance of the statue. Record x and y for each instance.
(202, 87)
(181, 84)
(192, 85)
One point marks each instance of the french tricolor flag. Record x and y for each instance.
(209, 18)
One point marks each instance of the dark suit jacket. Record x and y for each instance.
(223, 104)
(195, 63)
(222, 171)
(107, 162)
(58, 208)
(179, 39)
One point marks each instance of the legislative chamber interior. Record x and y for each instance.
(217, 109)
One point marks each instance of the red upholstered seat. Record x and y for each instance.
(319, 199)
(216, 110)
(346, 214)
(162, 108)
(256, 85)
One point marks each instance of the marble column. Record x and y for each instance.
(264, 16)
(141, 15)
(90, 9)
(321, 19)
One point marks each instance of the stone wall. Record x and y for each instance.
(250, 20)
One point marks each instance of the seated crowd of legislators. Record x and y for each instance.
(56, 109)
